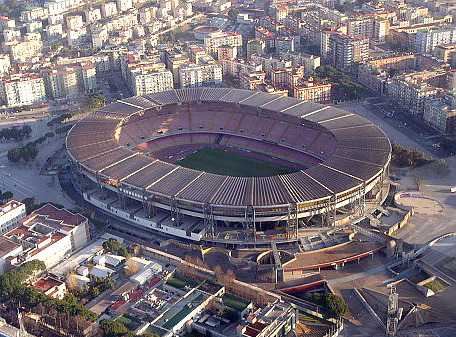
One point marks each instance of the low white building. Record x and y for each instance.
(10, 213)
(101, 271)
(8, 248)
(49, 234)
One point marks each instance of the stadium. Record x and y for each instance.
(228, 165)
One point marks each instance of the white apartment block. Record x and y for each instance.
(216, 40)
(22, 89)
(54, 30)
(237, 67)
(108, 9)
(70, 80)
(92, 15)
(74, 22)
(280, 12)
(310, 62)
(411, 92)
(381, 29)
(5, 64)
(34, 26)
(441, 113)
(268, 62)
(10, 213)
(99, 36)
(21, 51)
(34, 13)
(361, 27)
(199, 75)
(128, 20)
(61, 6)
(11, 34)
(151, 81)
(123, 5)
(56, 19)
(427, 40)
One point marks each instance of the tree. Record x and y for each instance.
(6, 196)
(94, 292)
(112, 328)
(131, 267)
(14, 154)
(72, 282)
(123, 252)
(111, 246)
(336, 305)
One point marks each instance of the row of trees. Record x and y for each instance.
(58, 120)
(343, 87)
(13, 291)
(29, 151)
(405, 158)
(15, 133)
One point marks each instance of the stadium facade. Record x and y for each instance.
(123, 161)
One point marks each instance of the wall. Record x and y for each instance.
(401, 223)
(144, 222)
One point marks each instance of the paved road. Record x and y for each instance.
(401, 135)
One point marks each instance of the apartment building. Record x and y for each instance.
(5, 64)
(199, 75)
(346, 52)
(123, 5)
(311, 91)
(10, 213)
(255, 46)
(287, 77)
(427, 40)
(99, 36)
(108, 9)
(361, 27)
(280, 12)
(441, 113)
(227, 52)
(61, 6)
(147, 81)
(74, 22)
(174, 59)
(381, 29)
(21, 51)
(310, 62)
(218, 39)
(250, 81)
(270, 62)
(445, 51)
(238, 67)
(69, 80)
(412, 90)
(48, 234)
(92, 15)
(22, 89)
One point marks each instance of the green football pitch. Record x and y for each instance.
(231, 164)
